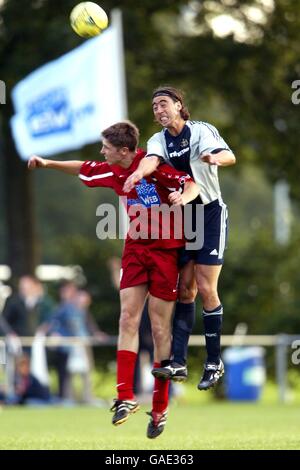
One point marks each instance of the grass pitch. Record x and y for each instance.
(189, 427)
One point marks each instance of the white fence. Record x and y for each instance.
(284, 349)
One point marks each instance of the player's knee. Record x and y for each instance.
(187, 293)
(207, 292)
(128, 322)
(161, 333)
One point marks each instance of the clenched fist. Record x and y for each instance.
(36, 162)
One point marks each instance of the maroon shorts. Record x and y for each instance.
(156, 268)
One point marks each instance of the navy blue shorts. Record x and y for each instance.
(214, 235)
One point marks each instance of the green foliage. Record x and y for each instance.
(293, 383)
(241, 86)
(2, 211)
(69, 208)
(260, 287)
(225, 79)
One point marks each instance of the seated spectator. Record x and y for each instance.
(28, 390)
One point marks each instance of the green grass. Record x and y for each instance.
(208, 425)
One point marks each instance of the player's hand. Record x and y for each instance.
(36, 162)
(210, 158)
(132, 180)
(176, 199)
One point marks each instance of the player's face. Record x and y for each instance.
(112, 154)
(166, 112)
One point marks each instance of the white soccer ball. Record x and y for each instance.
(88, 19)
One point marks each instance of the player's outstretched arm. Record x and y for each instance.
(146, 166)
(191, 191)
(223, 158)
(71, 167)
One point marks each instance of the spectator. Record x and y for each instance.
(68, 320)
(84, 301)
(27, 309)
(28, 390)
(24, 312)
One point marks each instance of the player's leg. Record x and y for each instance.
(183, 322)
(132, 303)
(160, 313)
(163, 291)
(207, 282)
(208, 262)
(163, 283)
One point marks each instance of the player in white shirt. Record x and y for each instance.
(197, 148)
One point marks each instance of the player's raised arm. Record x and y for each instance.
(71, 167)
(146, 167)
(191, 191)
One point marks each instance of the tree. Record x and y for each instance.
(241, 85)
(40, 34)
(20, 35)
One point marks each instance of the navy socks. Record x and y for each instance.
(212, 328)
(183, 322)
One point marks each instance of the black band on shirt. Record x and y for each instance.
(218, 150)
(161, 159)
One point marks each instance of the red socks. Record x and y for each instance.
(160, 397)
(125, 372)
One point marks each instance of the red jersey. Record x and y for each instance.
(144, 202)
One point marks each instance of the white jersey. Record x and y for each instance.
(183, 153)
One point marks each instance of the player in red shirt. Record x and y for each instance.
(149, 264)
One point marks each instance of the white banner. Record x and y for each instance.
(65, 104)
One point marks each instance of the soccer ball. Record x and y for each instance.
(88, 19)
